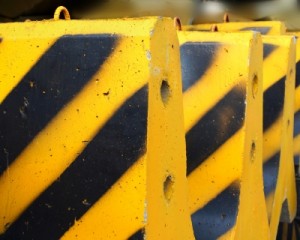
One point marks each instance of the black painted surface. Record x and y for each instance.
(270, 173)
(273, 103)
(196, 58)
(262, 30)
(268, 49)
(113, 150)
(216, 127)
(280, 232)
(218, 216)
(138, 235)
(298, 73)
(297, 123)
(51, 83)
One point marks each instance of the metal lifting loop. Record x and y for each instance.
(177, 23)
(59, 10)
(226, 18)
(214, 28)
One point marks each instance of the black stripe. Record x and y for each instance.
(297, 229)
(273, 103)
(298, 199)
(290, 231)
(54, 80)
(216, 127)
(270, 173)
(297, 123)
(280, 232)
(218, 216)
(195, 60)
(105, 159)
(268, 49)
(262, 30)
(138, 235)
(298, 74)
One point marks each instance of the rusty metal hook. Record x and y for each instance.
(226, 18)
(177, 23)
(214, 28)
(59, 10)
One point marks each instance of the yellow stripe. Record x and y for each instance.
(225, 78)
(270, 64)
(269, 203)
(24, 43)
(123, 203)
(217, 172)
(55, 147)
(276, 27)
(272, 140)
(297, 98)
(23, 54)
(114, 216)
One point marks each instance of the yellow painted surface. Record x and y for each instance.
(279, 137)
(251, 205)
(276, 28)
(147, 52)
(297, 93)
(232, 161)
(228, 235)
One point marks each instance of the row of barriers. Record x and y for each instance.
(142, 129)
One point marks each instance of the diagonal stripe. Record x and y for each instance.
(298, 73)
(273, 103)
(226, 172)
(297, 124)
(129, 208)
(215, 128)
(218, 216)
(139, 235)
(268, 49)
(115, 148)
(81, 118)
(272, 140)
(229, 234)
(297, 99)
(270, 173)
(262, 30)
(195, 60)
(44, 95)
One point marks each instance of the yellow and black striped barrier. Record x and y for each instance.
(264, 27)
(297, 101)
(279, 58)
(278, 118)
(92, 139)
(222, 84)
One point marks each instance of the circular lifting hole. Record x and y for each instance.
(165, 91)
(254, 85)
(252, 151)
(168, 188)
